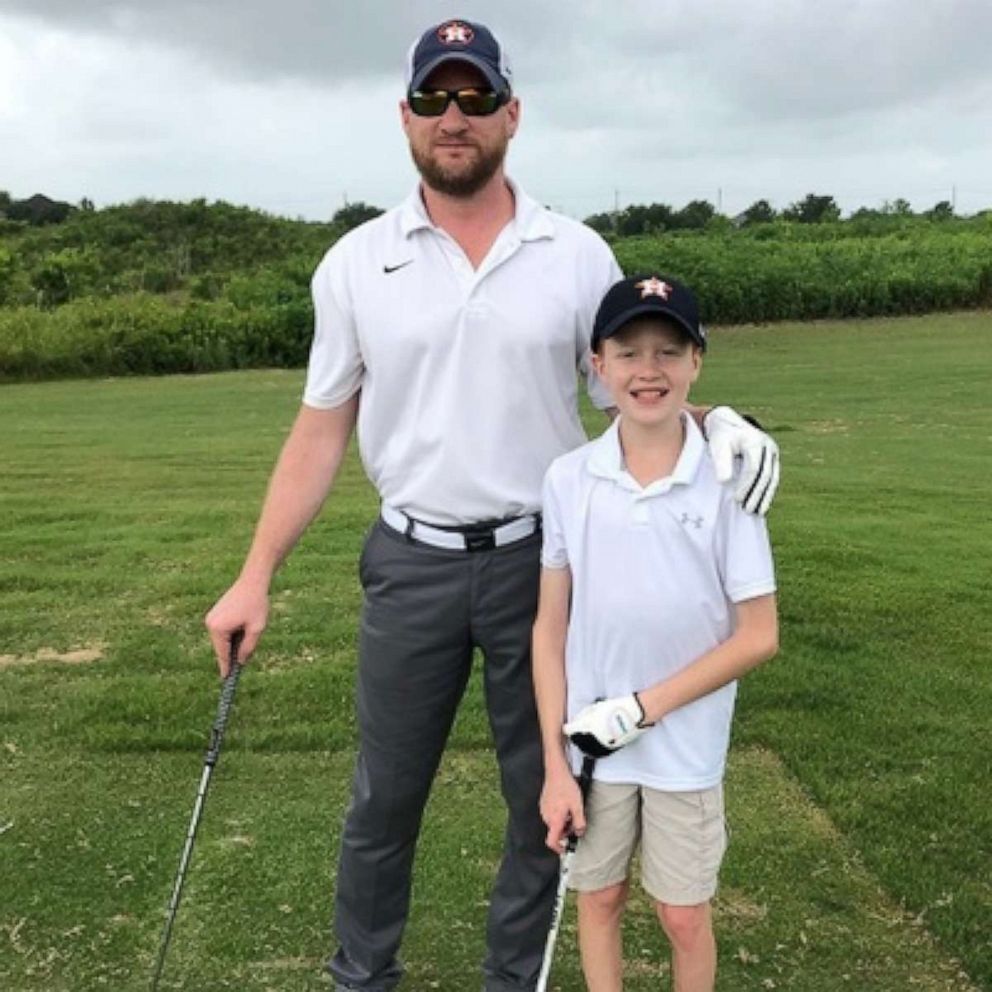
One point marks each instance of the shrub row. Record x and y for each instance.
(149, 246)
(742, 279)
(148, 335)
(264, 317)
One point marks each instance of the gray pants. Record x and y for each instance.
(425, 611)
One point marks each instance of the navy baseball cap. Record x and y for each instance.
(458, 41)
(648, 295)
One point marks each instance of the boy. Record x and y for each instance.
(657, 593)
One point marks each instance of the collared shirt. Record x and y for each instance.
(655, 572)
(468, 376)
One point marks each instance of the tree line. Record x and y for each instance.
(36, 210)
(814, 208)
(638, 218)
(154, 286)
(39, 210)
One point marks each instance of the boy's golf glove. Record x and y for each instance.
(729, 434)
(607, 726)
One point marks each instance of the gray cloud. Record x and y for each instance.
(776, 59)
(851, 56)
(667, 99)
(319, 40)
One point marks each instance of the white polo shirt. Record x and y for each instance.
(468, 376)
(655, 573)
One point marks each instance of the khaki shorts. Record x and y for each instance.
(683, 837)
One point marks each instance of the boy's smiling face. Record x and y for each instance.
(648, 367)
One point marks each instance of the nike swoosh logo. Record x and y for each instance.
(392, 268)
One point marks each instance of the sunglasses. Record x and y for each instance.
(472, 101)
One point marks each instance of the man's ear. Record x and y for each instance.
(513, 116)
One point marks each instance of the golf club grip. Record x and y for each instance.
(585, 775)
(585, 781)
(226, 699)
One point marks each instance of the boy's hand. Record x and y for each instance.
(561, 808)
(729, 434)
(607, 726)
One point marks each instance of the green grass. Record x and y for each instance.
(857, 792)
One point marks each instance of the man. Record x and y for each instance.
(461, 318)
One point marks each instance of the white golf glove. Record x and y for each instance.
(607, 726)
(729, 434)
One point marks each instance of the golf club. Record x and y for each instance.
(585, 780)
(213, 752)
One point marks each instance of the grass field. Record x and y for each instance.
(862, 832)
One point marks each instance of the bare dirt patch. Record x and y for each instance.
(77, 656)
(829, 427)
(733, 904)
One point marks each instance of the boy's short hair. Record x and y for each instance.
(645, 296)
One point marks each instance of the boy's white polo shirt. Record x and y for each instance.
(655, 573)
(468, 376)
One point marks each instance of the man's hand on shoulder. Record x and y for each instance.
(729, 436)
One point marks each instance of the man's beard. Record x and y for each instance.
(463, 182)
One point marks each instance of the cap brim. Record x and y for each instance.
(495, 80)
(654, 310)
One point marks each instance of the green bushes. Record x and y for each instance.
(782, 271)
(145, 335)
(157, 287)
(148, 246)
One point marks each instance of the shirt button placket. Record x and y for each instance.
(639, 512)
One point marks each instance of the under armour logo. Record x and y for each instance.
(696, 522)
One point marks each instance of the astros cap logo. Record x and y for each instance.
(455, 33)
(653, 287)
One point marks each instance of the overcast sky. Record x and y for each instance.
(291, 105)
